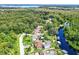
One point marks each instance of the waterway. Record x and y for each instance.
(64, 45)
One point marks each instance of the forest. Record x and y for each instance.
(14, 22)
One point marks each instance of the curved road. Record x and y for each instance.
(21, 43)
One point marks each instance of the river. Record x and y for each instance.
(64, 45)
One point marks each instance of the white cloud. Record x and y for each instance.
(39, 1)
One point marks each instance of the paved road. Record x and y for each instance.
(21, 43)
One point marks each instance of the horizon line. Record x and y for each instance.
(47, 4)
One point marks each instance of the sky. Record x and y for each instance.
(39, 1)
